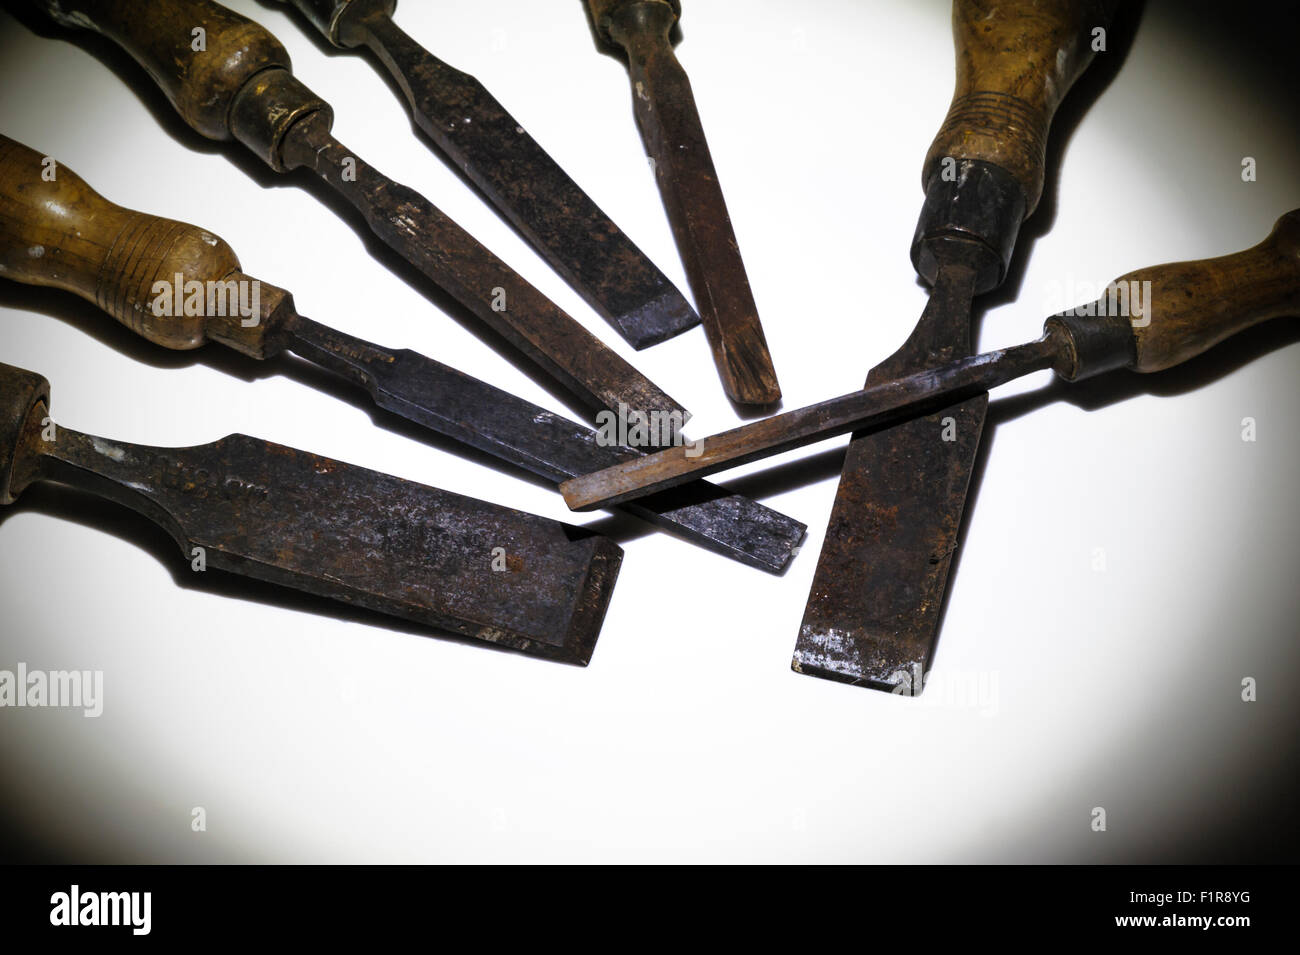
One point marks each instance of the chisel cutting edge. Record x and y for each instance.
(145, 271)
(670, 125)
(331, 529)
(1191, 306)
(239, 86)
(525, 184)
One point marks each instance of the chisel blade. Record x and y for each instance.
(527, 186)
(339, 531)
(688, 182)
(873, 611)
(511, 429)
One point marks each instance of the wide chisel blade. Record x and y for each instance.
(335, 530)
(527, 186)
(872, 614)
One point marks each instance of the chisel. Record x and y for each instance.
(305, 522)
(239, 85)
(1185, 309)
(145, 271)
(526, 185)
(670, 125)
(878, 589)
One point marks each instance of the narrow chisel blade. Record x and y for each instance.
(529, 188)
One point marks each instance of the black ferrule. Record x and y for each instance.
(1091, 344)
(971, 201)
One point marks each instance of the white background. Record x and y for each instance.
(308, 737)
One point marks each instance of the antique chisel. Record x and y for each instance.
(180, 286)
(240, 85)
(298, 520)
(670, 125)
(525, 184)
(878, 589)
(1186, 308)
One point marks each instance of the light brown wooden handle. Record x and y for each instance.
(1015, 62)
(198, 52)
(170, 282)
(1195, 305)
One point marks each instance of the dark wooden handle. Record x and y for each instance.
(56, 231)
(24, 396)
(1015, 62)
(1195, 305)
(200, 53)
(603, 12)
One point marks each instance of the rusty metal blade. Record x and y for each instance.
(528, 187)
(514, 430)
(496, 294)
(884, 403)
(674, 136)
(873, 611)
(364, 538)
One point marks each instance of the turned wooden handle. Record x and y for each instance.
(1196, 305)
(604, 11)
(334, 17)
(57, 231)
(163, 37)
(1015, 62)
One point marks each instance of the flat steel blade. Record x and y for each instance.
(873, 612)
(354, 535)
(527, 186)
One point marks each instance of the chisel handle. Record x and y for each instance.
(1015, 63)
(603, 13)
(227, 76)
(56, 231)
(983, 174)
(335, 19)
(1177, 311)
(200, 53)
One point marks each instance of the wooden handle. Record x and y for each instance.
(200, 53)
(1196, 305)
(1159, 317)
(334, 18)
(24, 395)
(604, 11)
(57, 231)
(1015, 62)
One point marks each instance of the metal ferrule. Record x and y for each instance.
(1090, 345)
(265, 109)
(973, 201)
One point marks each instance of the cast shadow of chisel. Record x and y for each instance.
(95, 513)
(152, 99)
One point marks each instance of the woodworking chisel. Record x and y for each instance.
(1185, 309)
(305, 522)
(874, 606)
(670, 125)
(526, 185)
(180, 286)
(239, 85)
